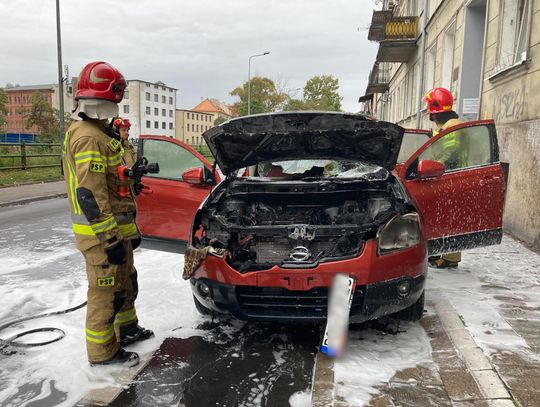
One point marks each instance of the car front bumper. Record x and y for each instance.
(275, 304)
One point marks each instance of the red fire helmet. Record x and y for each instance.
(439, 100)
(100, 80)
(118, 123)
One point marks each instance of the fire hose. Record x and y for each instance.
(5, 344)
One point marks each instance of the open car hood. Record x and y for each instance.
(284, 136)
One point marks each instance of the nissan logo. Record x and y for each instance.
(300, 253)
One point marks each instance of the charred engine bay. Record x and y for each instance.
(295, 224)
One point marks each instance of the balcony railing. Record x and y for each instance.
(379, 79)
(397, 36)
(401, 28)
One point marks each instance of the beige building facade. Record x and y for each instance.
(487, 53)
(190, 126)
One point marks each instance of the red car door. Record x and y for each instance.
(461, 203)
(167, 204)
(413, 139)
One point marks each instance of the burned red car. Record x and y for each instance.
(308, 195)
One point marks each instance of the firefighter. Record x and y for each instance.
(103, 222)
(451, 151)
(126, 322)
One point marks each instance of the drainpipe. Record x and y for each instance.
(422, 61)
(482, 74)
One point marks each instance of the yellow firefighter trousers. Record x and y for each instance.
(452, 257)
(109, 307)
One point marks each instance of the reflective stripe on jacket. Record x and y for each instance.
(90, 160)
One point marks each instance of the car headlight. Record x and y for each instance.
(401, 232)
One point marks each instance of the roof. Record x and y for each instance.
(50, 86)
(214, 106)
(159, 83)
(191, 111)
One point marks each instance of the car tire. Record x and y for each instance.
(201, 308)
(414, 312)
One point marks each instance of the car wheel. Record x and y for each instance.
(414, 312)
(201, 308)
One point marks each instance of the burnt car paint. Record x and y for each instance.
(254, 139)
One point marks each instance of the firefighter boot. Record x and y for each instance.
(122, 357)
(133, 333)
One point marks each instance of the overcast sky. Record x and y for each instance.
(200, 47)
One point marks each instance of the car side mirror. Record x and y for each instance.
(430, 169)
(194, 176)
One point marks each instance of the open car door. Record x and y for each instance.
(170, 198)
(457, 183)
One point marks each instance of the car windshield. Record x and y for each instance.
(298, 169)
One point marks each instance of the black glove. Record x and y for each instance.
(135, 243)
(116, 254)
(138, 187)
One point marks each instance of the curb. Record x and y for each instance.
(323, 387)
(106, 395)
(486, 377)
(28, 200)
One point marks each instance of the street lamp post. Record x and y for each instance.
(60, 77)
(249, 78)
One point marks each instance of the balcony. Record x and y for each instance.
(379, 79)
(397, 36)
(378, 25)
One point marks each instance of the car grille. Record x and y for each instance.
(277, 250)
(277, 302)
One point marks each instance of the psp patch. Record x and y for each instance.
(105, 282)
(97, 167)
(114, 144)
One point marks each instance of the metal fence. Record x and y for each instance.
(27, 155)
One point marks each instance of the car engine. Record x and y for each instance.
(293, 225)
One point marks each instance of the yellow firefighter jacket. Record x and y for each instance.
(90, 160)
(452, 150)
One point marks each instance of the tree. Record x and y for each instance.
(219, 120)
(44, 117)
(321, 93)
(3, 108)
(265, 97)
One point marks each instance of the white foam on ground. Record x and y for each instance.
(475, 289)
(372, 358)
(165, 305)
(301, 399)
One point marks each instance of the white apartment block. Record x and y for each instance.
(150, 107)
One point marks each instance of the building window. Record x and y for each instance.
(430, 68)
(170, 100)
(514, 31)
(147, 85)
(448, 57)
(192, 140)
(147, 109)
(156, 125)
(156, 98)
(163, 99)
(147, 96)
(156, 111)
(170, 113)
(197, 116)
(155, 86)
(170, 126)
(163, 125)
(126, 94)
(148, 124)
(126, 109)
(164, 112)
